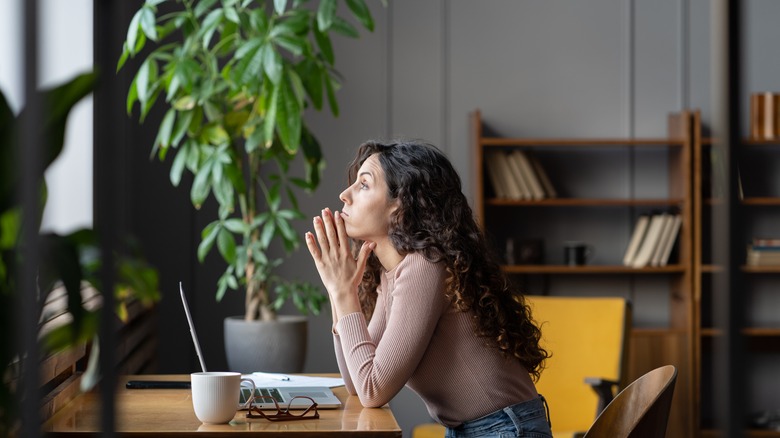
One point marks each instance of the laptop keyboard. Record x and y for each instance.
(266, 392)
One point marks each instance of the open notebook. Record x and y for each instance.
(323, 396)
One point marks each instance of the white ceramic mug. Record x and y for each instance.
(215, 395)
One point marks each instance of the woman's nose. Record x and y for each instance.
(344, 196)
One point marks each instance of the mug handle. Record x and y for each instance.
(251, 398)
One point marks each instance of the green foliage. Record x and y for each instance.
(71, 260)
(236, 77)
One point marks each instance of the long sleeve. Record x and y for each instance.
(415, 338)
(382, 356)
(343, 365)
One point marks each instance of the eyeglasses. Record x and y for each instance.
(310, 413)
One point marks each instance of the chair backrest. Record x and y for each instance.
(588, 337)
(641, 410)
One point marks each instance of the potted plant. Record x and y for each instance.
(236, 77)
(67, 261)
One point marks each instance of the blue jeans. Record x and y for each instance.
(527, 419)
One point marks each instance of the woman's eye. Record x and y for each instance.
(363, 186)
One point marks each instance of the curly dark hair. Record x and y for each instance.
(434, 219)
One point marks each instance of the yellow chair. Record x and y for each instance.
(588, 339)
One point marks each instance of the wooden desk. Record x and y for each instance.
(169, 412)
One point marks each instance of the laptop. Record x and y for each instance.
(322, 395)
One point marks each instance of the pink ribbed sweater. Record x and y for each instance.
(416, 339)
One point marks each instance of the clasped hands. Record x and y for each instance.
(340, 272)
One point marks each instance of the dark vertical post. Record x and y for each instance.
(728, 304)
(31, 139)
(108, 198)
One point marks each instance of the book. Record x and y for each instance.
(763, 256)
(666, 228)
(766, 241)
(646, 249)
(636, 239)
(513, 189)
(549, 189)
(494, 176)
(670, 240)
(518, 175)
(532, 181)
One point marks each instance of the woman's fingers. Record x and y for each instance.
(341, 229)
(365, 250)
(312, 245)
(330, 229)
(322, 238)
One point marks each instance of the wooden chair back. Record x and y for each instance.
(639, 411)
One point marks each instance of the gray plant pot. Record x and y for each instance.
(269, 346)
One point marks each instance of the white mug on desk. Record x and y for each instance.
(215, 395)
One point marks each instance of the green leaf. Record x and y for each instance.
(343, 27)
(215, 134)
(183, 122)
(236, 225)
(148, 23)
(312, 78)
(210, 24)
(279, 6)
(132, 96)
(359, 8)
(132, 31)
(272, 63)
(296, 23)
(166, 128)
(193, 156)
(269, 123)
(268, 232)
(289, 119)
(325, 13)
(208, 236)
(142, 79)
(203, 6)
(293, 44)
(250, 65)
(330, 87)
(323, 42)
(123, 58)
(184, 103)
(202, 185)
(177, 167)
(226, 245)
(312, 153)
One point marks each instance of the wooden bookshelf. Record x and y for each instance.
(758, 202)
(650, 347)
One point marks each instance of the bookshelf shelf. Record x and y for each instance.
(761, 201)
(749, 433)
(588, 206)
(757, 332)
(579, 142)
(580, 202)
(760, 269)
(590, 269)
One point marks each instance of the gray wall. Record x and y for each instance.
(601, 68)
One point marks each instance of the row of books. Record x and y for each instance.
(763, 252)
(518, 175)
(652, 240)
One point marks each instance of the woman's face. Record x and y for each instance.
(367, 207)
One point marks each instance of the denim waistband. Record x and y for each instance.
(518, 413)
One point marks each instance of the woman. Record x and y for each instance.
(417, 300)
